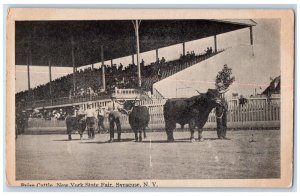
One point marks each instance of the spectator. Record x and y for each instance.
(142, 63)
(188, 55)
(157, 61)
(242, 101)
(120, 69)
(193, 54)
(159, 74)
(57, 115)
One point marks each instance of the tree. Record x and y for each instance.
(224, 79)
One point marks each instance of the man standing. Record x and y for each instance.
(90, 121)
(114, 118)
(101, 114)
(221, 118)
(80, 114)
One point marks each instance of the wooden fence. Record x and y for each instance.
(256, 115)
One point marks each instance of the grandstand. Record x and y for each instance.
(94, 84)
(89, 88)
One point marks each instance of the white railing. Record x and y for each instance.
(252, 116)
(157, 95)
(126, 93)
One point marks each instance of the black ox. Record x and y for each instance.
(193, 111)
(139, 118)
(75, 123)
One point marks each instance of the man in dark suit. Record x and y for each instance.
(101, 114)
(114, 118)
(221, 118)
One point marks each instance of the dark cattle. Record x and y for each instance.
(193, 111)
(75, 123)
(21, 122)
(139, 118)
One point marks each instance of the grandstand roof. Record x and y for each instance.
(52, 39)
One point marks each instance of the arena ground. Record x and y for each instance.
(249, 154)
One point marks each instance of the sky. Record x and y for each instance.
(266, 52)
(252, 67)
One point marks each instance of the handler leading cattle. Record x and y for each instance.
(114, 118)
(221, 118)
(91, 121)
(193, 111)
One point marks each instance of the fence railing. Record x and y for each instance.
(253, 116)
(126, 93)
(157, 95)
(65, 100)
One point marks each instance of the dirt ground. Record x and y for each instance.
(249, 154)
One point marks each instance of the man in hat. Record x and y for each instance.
(114, 118)
(90, 121)
(221, 119)
(101, 114)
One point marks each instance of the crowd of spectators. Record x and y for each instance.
(89, 80)
(48, 114)
(82, 91)
(208, 50)
(189, 55)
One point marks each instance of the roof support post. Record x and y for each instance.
(28, 72)
(183, 48)
(29, 59)
(50, 78)
(156, 54)
(92, 66)
(136, 25)
(111, 63)
(73, 63)
(132, 56)
(29, 62)
(103, 68)
(251, 35)
(215, 42)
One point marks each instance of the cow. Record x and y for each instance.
(75, 123)
(21, 122)
(193, 111)
(138, 117)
